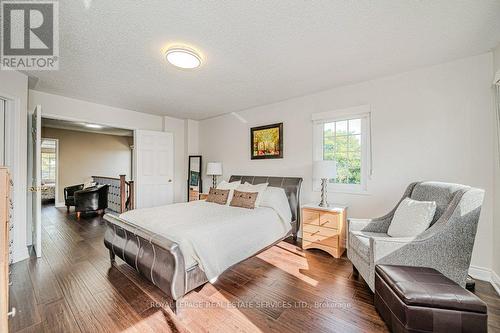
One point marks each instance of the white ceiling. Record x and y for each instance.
(256, 52)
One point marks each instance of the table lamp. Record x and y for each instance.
(324, 170)
(214, 169)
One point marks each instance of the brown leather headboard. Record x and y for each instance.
(291, 185)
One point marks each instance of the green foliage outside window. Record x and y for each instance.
(342, 143)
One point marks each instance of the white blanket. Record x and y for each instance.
(212, 235)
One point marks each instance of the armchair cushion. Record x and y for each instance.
(359, 241)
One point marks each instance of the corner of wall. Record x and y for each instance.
(495, 280)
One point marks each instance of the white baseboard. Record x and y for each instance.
(60, 204)
(20, 254)
(480, 273)
(485, 274)
(495, 282)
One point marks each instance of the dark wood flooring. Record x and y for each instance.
(73, 288)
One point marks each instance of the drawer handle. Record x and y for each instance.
(314, 233)
(12, 313)
(322, 224)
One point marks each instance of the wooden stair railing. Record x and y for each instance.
(121, 196)
(126, 194)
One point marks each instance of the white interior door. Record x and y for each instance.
(154, 168)
(34, 163)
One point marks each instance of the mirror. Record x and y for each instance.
(194, 178)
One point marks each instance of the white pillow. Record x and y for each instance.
(89, 184)
(411, 218)
(260, 188)
(223, 185)
(275, 198)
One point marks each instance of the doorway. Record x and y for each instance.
(50, 167)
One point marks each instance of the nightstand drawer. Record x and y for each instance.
(310, 217)
(331, 241)
(329, 220)
(311, 229)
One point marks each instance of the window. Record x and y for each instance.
(342, 143)
(48, 161)
(344, 139)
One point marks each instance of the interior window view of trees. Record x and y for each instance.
(342, 143)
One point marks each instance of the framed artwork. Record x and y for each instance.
(266, 142)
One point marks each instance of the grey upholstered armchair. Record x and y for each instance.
(446, 245)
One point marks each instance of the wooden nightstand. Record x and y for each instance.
(203, 196)
(324, 228)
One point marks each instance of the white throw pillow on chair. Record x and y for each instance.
(412, 217)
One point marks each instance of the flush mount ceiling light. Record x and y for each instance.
(93, 126)
(183, 58)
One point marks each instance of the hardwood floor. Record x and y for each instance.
(73, 288)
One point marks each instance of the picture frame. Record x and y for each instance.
(266, 142)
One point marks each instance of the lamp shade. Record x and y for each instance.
(324, 169)
(214, 168)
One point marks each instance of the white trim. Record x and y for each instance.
(485, 274)
(480, 273)
(496, 81)
(362, 112)
(347, 113)
(60, 204)
(57, 167)
(56, 116)
(495, 282)
(15, 119)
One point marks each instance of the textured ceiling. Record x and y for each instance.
(256, 52)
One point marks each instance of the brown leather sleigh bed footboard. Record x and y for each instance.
(161, 261)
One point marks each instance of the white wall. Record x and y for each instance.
(60, 107)
(15, 85)
(496, 222)
(192, 137)
(429, 124)
(177, 128)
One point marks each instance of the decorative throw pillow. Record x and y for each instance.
(411, 218)
(223, 185)
(217, 196)
(259, 188)
(244, 199)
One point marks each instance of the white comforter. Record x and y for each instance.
(212, 235)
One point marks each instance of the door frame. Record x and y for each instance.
(75, 119)
(15, 157)
(34, 165)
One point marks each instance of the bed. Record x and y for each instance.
(166, 261)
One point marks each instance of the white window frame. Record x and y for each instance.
(54, 169)
(319, 120)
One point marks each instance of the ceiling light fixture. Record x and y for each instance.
(93, 126)
(183, 58)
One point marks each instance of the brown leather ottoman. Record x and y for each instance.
(420, 299)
